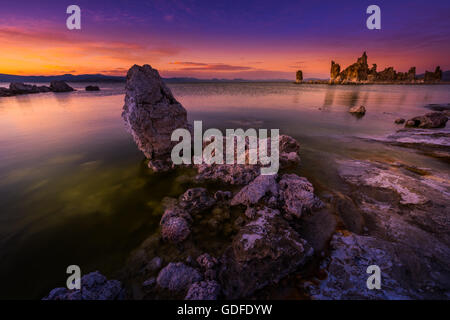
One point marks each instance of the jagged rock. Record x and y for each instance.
(399, 121)
(299, 76)
(92, 88)
(257, 189)
(204, 290)
(177, 277)
(359, 111)
(196, 200)
(428, 121)
(433, 76)
(175, 225)
(297, 195)
(151, 114)
(94, 286)
(335, 70)
(359, 72)
(264, 251)
(60, 86)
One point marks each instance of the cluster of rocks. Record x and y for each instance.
(360, 72)
(17, 88)
(94, 286)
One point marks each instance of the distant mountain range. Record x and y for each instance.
(105, 78)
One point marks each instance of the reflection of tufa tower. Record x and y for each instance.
(299, 76)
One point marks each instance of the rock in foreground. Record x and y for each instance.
(263, 252)
(151, 114)
(94, 286)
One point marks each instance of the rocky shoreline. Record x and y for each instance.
(18, 88)
(235, 233)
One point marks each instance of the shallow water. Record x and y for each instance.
(75, 190)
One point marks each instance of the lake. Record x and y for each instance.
(74, 189)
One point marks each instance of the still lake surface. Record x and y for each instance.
(74, 189)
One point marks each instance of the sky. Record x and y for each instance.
(221, 39)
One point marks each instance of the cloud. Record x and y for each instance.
(200, 66)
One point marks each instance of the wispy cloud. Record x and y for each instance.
(200, 66)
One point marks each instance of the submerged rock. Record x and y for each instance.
(399, 121)
(177, 277)
(151, 114)
(60, 86)
(204, 290)
(430, 120)
(94, 286)
(264, 251)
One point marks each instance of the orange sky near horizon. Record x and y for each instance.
(45, 50)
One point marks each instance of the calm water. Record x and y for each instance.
(74, 189)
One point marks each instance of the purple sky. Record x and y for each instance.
(226, 39)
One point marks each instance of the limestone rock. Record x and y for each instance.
(60, 86)
(351, 256)
(177, 277)
(358, 110)
(151, 114)
(257, 189)
(435, 76)
(94, 286)
(297, 195)
(428, 121)
(335, 70)
(175, 225)
(204, 290)
(299, 76)
(196, 200)
(264, 251)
